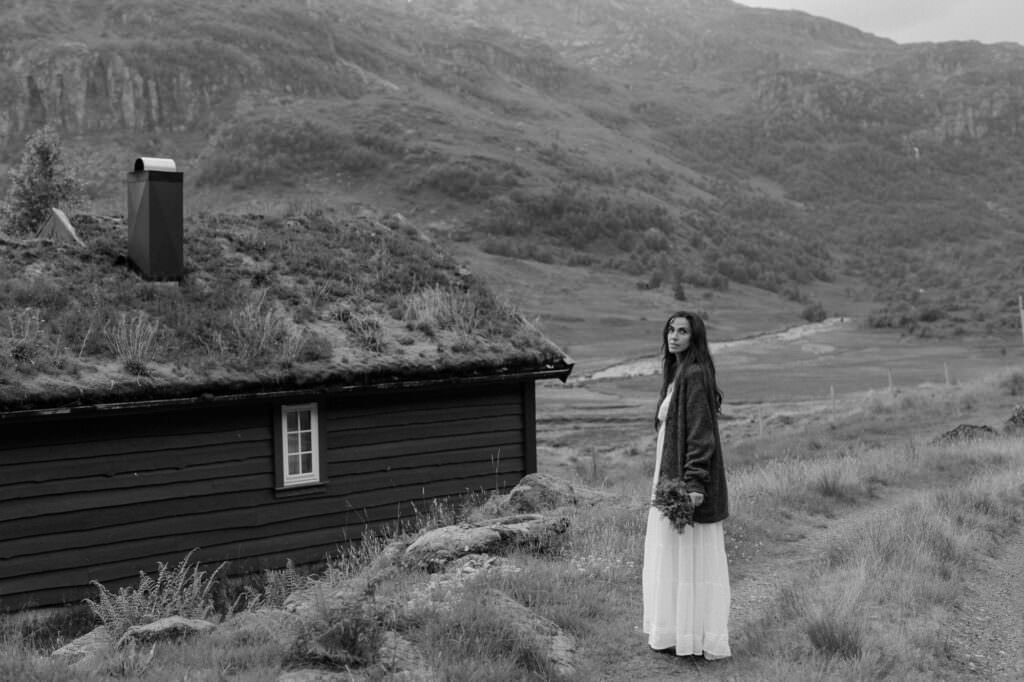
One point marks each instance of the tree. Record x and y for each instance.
(41, 182)
(815, 312)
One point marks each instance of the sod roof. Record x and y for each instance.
(313, 301)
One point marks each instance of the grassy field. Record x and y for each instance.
(852, 533)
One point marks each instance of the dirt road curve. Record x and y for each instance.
(987, 639)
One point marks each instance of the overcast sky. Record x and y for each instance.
(910, 21)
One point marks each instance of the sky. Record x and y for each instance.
(910, 21)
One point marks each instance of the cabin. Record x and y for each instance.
(284, 386)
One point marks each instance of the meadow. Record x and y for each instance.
(853, 532)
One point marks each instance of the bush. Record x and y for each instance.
(41, 182)
(814, 312)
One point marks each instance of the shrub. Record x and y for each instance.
(180, 591)
(814, 312)
(41, 181)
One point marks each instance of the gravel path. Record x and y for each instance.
(987, 639)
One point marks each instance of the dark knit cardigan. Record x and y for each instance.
(692, 449)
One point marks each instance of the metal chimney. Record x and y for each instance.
(155, 219)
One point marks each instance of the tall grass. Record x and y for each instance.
(873, 607)
(131, 339)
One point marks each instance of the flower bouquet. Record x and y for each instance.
(672, 500)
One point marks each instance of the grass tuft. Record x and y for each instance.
(131, 339)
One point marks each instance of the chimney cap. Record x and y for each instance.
(152, 163)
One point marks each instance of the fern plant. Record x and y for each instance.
(277, 585)
(183, 590)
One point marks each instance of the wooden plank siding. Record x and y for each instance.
(105, 495)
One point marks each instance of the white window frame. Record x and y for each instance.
(303, 477)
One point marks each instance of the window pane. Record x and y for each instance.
(293, 465)
(293, 421)
(307, 441)
(304, 418)
(293, 442)
(307, 462)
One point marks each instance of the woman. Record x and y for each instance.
(685, 575)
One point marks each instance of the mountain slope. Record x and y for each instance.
(695, 141)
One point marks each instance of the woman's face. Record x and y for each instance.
(678, 338)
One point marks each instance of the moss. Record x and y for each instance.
(264, 304)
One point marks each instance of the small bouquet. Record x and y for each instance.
(672, 500)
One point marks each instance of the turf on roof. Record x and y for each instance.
(265, 304)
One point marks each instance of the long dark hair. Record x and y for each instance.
(697, 353)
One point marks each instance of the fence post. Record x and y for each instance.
(892, 386)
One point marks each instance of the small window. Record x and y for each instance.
(299, 445)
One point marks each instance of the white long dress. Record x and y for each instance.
(685, 580)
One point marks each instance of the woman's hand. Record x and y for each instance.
(697, 499)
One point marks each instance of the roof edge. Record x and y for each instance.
(561, 373)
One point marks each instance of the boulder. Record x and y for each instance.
(436, 548)
(539, 492)
(85, 649)
(170, 628)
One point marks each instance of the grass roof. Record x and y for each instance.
(315, 300)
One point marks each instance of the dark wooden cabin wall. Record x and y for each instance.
(105, 496)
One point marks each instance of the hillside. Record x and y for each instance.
(699, 142)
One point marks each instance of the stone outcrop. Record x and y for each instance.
(166, 629)
(543, 492)
(84, 651)
(436, 548)
(331, 630)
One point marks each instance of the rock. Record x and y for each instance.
(85, 648)
(965, 432)
(538, 492)
(58, 228)
(170, 628)
(397, 221)
(436, 548)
